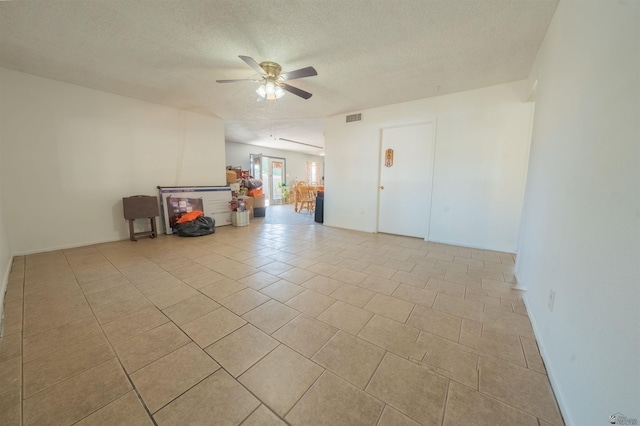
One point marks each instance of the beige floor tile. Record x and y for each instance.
(263, 417)
(519, 387)
(324, 269)
(114, 311)
(310, 302)
(125, 410)
(190, 309)
(393, 336)
(495, 342)
(470, 309)
(297, 275)
(12, 321)
(379, 285)
(204, 279)
(467, 406)
(346, 317)
(390, 307)
(77, 397)
(305, 335)
(143, 349)
(485, 273)
(400, 265)
(281, 378)
(213, 326)
(348, 276)
(353, 295)
(452, 359)
(158, 285)
(276, 268)
(15, 287)
(88, 274)
(52, 340)
(464, 279)
(351, 358)
(532, 354)
(134, 324)
(104, 284)
(243, 301)
(241, 349)
(167, 378)
(10, 346)
(436, 322)
(270, 316)
(410, 389)
(118, 294)
(11, 408)
(417, 278)
(508, 321)
(353, 264)
(217, 397)
(258, 280)
(221, 289)
(380, 271)
(415, 295)
(171, 296)
(49, 291)
(282, 290)
(323, 285)
(52, 314)
(10, 374)
(446, 287)
(391, 417)
(333, 401)
(57, 366)
(190, 271)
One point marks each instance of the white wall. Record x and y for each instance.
(581, 226)
(69, 155)
(482, 142)
(237, 154)
(5, 248)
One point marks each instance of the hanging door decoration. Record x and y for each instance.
(388, 158)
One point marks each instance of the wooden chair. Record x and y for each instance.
(304, 196)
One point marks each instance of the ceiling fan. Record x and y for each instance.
(273, 85)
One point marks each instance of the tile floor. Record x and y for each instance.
(280, 322)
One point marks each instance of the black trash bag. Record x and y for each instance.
(196, 228)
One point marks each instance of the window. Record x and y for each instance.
(313, 172)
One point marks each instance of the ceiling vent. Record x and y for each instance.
(354, 117)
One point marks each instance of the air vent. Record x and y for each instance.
(354, 117)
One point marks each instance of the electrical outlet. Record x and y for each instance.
(552, 299)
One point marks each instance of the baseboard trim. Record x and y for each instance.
(555, 386)
(3, 290)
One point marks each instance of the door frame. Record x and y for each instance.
(434, 123)
(269, 184)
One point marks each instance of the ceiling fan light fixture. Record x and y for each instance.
(270, 90)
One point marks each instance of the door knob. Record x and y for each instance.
(381, 186)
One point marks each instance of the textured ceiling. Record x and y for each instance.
(368, 53)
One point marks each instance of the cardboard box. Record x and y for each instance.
(231, 176)
(258, 201)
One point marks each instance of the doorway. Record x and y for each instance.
(272, 172)
(406, 177)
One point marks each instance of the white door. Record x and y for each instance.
(276, 177)
(406, 174)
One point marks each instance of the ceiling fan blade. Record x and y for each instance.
(236, 81)
(252, 63)
(298, 92)
(301, 73)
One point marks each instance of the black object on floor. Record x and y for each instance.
(320, 207)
